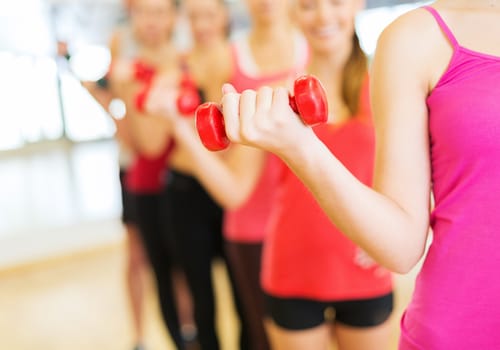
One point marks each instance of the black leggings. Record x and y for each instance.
(197, 229)
(150, 213)
(245, 261)
(127, 200)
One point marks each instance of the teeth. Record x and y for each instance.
(327, 31)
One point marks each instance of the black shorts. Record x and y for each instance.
(128, 216)
(300, 314)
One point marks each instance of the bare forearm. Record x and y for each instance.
(224, 184)
(373, 221)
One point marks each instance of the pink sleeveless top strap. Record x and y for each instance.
(444, 27)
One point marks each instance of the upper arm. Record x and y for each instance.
(400, 80)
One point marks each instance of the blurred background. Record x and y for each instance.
(61, 240)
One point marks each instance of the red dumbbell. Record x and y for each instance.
(187, 101)
(309, 102)
(189, 98)
(143, 72)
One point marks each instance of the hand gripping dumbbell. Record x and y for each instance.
(309, 102)
(187, 101)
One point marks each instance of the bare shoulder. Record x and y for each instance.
(411, 32)
(414, 43)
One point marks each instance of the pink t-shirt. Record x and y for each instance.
(456, 303)
(248, 223)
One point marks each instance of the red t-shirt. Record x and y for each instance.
(146, 175)
(305, 255)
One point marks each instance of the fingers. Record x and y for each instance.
(247, 105)
(280, 98)
(264, 100)
(230, 110)
(228, 88)
(248, 113)
(238, 111)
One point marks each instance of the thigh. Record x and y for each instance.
(364, 324)
(149, 222)
(316, 338)
(192, 237)
(135, 249)
(195, 223)
(370, 338)
(245, 262)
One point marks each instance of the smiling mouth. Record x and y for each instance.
(326, 31)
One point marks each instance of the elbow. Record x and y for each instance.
(232, 196)
(232, 204)
(405, 262)
(239, 196)
(233, 201)
(403, 268)
(412, 247)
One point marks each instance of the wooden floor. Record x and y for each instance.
(78, 303)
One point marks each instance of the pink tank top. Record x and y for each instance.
(456, 303)
(248, 223)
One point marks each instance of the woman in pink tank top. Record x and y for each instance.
(436, 103)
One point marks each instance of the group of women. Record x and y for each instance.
(308, 229)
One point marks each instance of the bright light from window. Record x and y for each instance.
(90, 62)
(31, 111)
(370, 23)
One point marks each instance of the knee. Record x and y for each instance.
(136, 258)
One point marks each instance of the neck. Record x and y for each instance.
(157, 47)
(329, 69)
(160, 54)
(328, 66)
(270, 31)
(209, 47)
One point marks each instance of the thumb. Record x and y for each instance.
(228, 88)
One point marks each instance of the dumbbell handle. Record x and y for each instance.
(309, 102)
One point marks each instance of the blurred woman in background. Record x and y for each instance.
(122, 45)
(144, 48)
(196, 218)
(243, 180)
